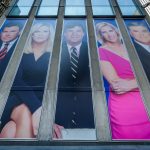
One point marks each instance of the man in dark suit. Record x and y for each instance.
(8, 39)
(74, 100)
(141, 40)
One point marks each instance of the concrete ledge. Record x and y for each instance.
(104, 147)
(72, 143)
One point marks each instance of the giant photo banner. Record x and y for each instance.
(128, 116)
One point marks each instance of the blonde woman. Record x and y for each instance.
(22, 112)
(128, 117)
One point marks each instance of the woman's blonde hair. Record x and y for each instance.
(35, 27)
(99, 26)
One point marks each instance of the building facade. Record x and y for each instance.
(75, 73)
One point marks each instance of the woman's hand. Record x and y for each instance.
(35, 120)
(121, 86)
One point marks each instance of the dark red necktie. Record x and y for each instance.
(3, 52)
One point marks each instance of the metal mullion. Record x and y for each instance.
(50, 97)
(99, 100)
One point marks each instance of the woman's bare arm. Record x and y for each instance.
(108, 71)
(119, 85)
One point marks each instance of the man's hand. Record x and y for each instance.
(35, 120)
(57, 131)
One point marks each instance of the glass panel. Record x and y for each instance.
(48, 7)
(128, 116)
(21, 8)
(130, 10)
(140, 34)
(10, 33)
(101, 7)
(128, 7)
(75, 11)
(50, 3)
(74, 108)
(102, 10)
(21, 115)
(75, 3)
(100, 3)
(48, 11)
(20, 11)
(77, 8)
(125, 3)
(27, 3)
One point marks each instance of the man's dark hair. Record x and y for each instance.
(135, 24)
(72, 24)
(11, 24)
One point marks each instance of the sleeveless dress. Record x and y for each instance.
(128, 116)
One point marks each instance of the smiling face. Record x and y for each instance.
(140, 34)
(10, 33)
(41, 35)
(109, 34)
(74, 35)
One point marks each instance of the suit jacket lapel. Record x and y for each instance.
(1, 44)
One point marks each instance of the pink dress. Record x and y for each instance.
(128, 117)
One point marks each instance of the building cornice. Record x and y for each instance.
(3, 6)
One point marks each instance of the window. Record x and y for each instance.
(28, 87)
(101, 7)
(128, 8)
(123, 104)
(10, 33)
(74, 110)
(140, 35)
(48, 8)
(76, 8)
(21, 8)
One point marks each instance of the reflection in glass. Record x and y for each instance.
(128, 116)
(100, 3)
(125, 3)
(75, 3)
(102, 10)
(77, 8)
(140, 34)
(74, 108)
(48, 7)
(49, 3)
(101, 7)
(77, 11)
(27, 3)
(21, 115)
(48, 11)
(128, 7)
(21, 8)
(130, 10)
(20, 11)
(10, 33)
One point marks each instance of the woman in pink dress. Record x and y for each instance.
(128, 116)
